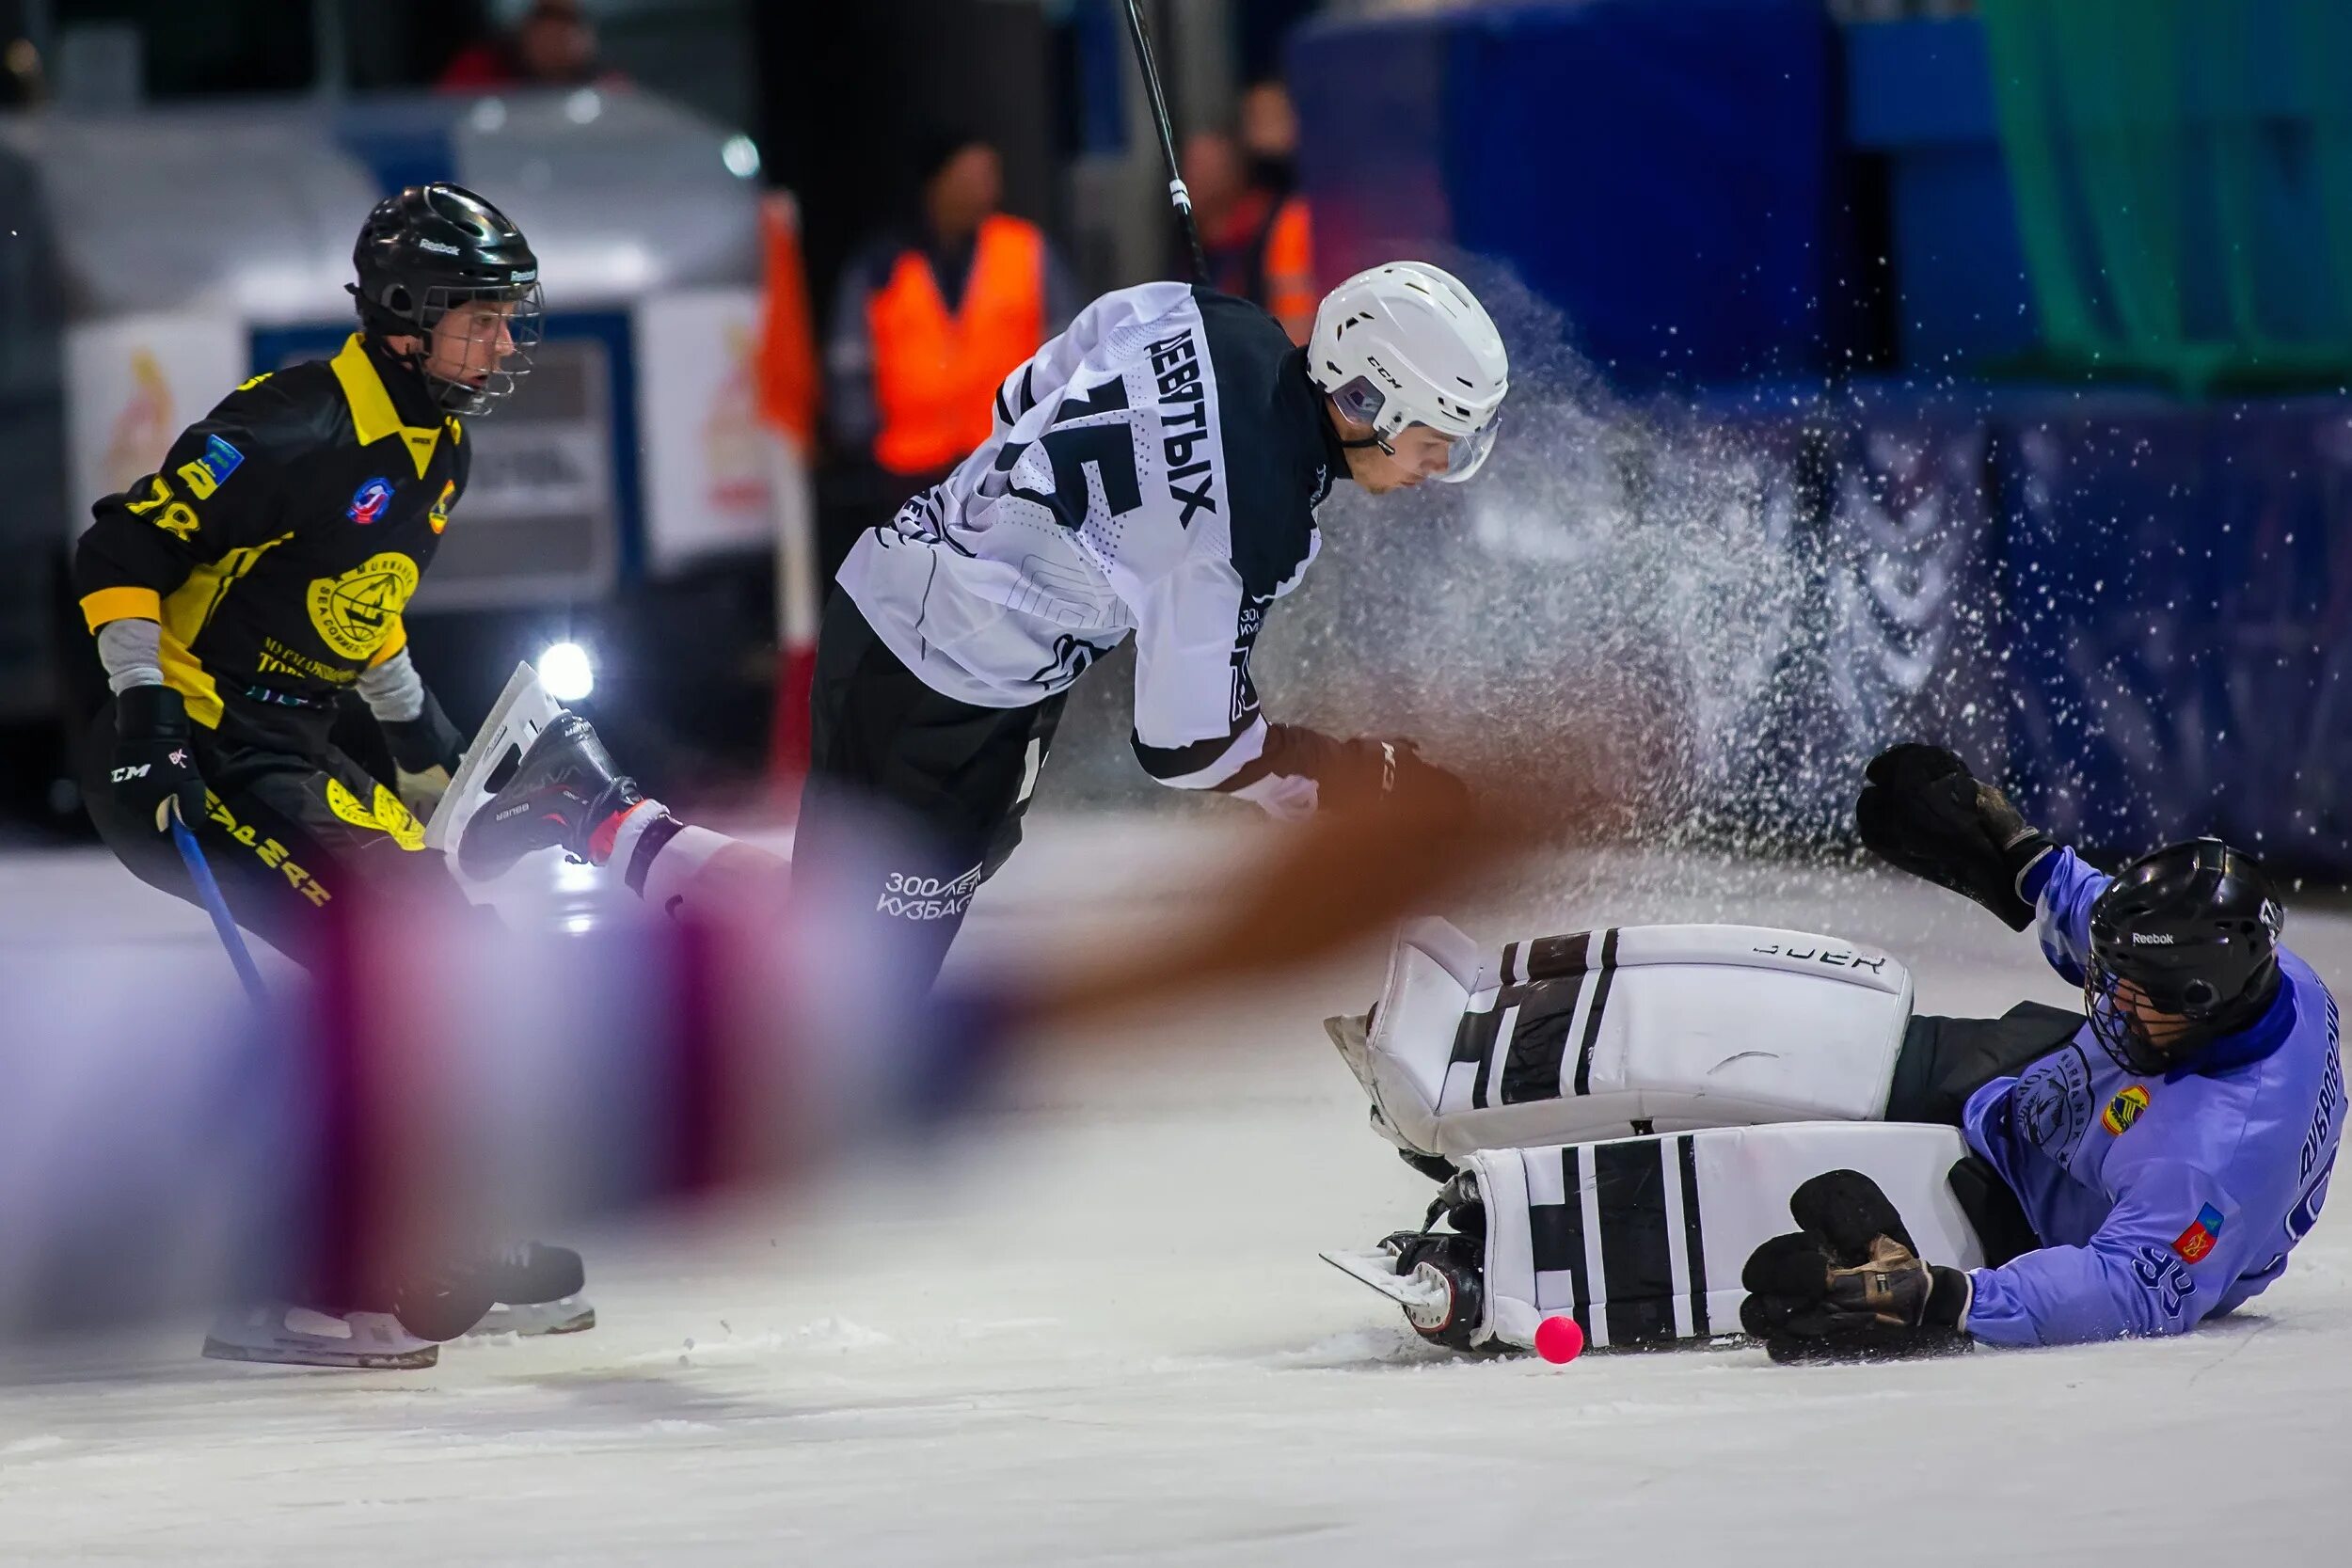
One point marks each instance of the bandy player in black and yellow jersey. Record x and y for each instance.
(240, 589)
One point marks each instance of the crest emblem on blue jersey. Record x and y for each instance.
(2124, 1109)
(369, 501)
(2202, 1232)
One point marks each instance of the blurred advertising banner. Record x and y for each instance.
(539, 519)
(707, 467)
(132, 384)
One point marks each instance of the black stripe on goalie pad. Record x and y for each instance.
(1629, 1180)
(1637, 1289)
(1539, 1040)
(1555, 957)
(1474, 1042)
(1556, 1233)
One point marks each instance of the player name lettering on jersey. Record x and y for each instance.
(1176, 363)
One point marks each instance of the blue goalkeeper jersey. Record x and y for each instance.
(2161, 1201)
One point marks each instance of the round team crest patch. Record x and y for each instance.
(369, 501)
(385, 814)
(356, 611)
(2052, 1104)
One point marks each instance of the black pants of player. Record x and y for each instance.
(941, 784)
(1943, 1061)
(285, 836)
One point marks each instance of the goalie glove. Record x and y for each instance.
(1849, 1284)
(1922, 811)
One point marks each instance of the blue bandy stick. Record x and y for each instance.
(208, 894)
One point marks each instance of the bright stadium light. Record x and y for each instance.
(567, 673)
(742, 156)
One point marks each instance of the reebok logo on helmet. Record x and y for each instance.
(438, 246)
(2152, 939)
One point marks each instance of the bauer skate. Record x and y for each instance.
(538, 1290)
(284, 1334)
(566, 793)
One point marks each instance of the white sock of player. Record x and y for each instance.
(660, 856)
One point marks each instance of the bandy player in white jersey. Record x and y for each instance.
(1153, 471)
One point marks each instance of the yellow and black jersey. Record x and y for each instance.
(281, 541)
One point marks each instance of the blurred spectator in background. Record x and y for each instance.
(1254, 221)
(927, 318)
(554, 45)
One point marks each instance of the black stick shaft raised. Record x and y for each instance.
(1177, 194)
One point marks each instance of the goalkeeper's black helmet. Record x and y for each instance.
(2193, 928)
(436, 249)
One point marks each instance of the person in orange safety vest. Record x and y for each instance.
(1254, 227)
(925, 325)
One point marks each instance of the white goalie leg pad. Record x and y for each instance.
(1641, 1240)
(1632, 1029)
(522, 710)
(1403, 1056)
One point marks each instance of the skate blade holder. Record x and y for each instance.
(522, 710)
(1422, 1293)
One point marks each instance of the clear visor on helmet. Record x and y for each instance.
(1363, 403)
(1465, 454)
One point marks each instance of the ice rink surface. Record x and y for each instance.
(1097, 1331)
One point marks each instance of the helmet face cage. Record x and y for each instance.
(477, 349)
(2126, 1040)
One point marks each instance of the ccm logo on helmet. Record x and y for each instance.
(2152, 939)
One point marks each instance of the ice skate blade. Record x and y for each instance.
(536, 1319)
(350, 1361)
(1377, 1269)
(522, 710)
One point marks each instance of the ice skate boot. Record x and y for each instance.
(284, 1334)
(538, 1289)
(566, 793)
(1437, 1276)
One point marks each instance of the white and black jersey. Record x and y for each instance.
(1154, 470)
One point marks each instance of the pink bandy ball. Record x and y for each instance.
(1558, 1339)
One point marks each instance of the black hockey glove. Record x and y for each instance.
(1849, 1284)
(1924, 812)
(155, 766)
(1373, 772)
(426, 751)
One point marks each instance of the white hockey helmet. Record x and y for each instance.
(1407, 344)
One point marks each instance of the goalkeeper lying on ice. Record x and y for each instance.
(1622, 1117)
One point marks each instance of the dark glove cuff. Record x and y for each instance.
(150, 713)
(1947, 1298)
(425, 742)
(2019, 855)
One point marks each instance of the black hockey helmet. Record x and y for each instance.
(2194, 928)
(436, 249)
